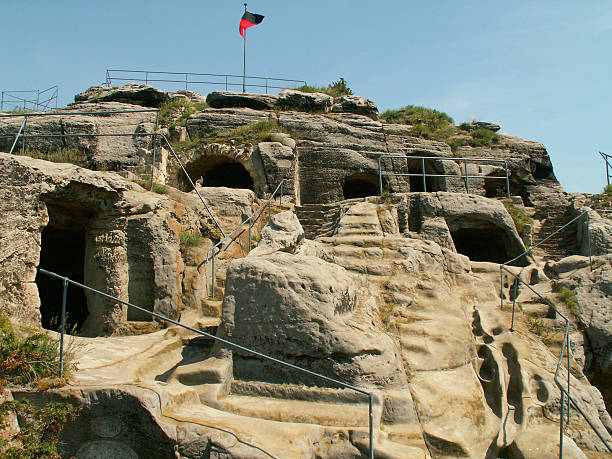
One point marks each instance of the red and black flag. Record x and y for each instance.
(249, 20)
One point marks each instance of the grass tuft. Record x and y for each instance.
(335, 89)
(518, 215)
(176, 111)
(191, 238)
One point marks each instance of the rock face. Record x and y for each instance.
(228, 99)
(131, 93)
(356, 104)
(299, 292)
(93, 227)
(131, 148)
(592, 293)
(290, 99)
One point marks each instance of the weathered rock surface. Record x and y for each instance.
(229, 99)
(129, 149)
(290, 99)
(131, 93)
(282, 233)
(481, 125)
(356, 104)
(130, 241)
(313, 317)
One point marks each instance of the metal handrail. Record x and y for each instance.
(154, 134)
(566, 340)
(565, 345)
(423, 174)
(582, 214)
(346, 385)
(195, 188)
(607, 159)
(186, 81)
(38, 104)
(218, 247)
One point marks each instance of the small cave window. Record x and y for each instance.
(63, 252)
(542, 171)
(481, 244)
(360, 186)
(495, 188)
(415, 166)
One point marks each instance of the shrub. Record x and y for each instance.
(191, 238)
(335, 89)
(608, 189)
(518, 215)
(426, 122)
(26, 360)
(37, 438)
(483, 137)
(247, 135)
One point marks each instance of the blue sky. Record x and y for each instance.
(541, 70)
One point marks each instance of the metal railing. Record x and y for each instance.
(218, 247)
(67, 281)
(24, 135)
(566, 339)
(34, 102)
(188, 78)
(466, 177)
(607, 158)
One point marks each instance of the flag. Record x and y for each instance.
(249, 20)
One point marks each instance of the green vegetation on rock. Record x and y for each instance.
(176, 111)
(38, 437)
(146, 184)
(247, 135)
(191, 238)
(26, 360)
(519, 216)
(62, 155)
(335, 89)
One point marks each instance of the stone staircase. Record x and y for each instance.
(563, 243)
(318, 219)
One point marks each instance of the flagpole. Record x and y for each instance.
(244, 57)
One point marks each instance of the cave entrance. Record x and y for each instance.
(481, 244)
(62, 252)
(360, 186)
(230, 175)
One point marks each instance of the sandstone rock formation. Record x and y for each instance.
(396, 294)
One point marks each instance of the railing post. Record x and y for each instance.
(561, 425)
(568, 378)
(266, 86)
(213, 274)
(280, 201)
(269, 211)
(424, 181)
(514, 304)
(226, 82)
(146, 77)
(467, 180)
(155, 140)
(186, 78)
(2, 102)
(37, 97)
(507, 180)
(370, 399)
(61, 350)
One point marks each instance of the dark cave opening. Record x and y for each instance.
(542, 171)
(360, 186)
(481, 244)
(430, 184)
(62, 252)
(230, 175)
